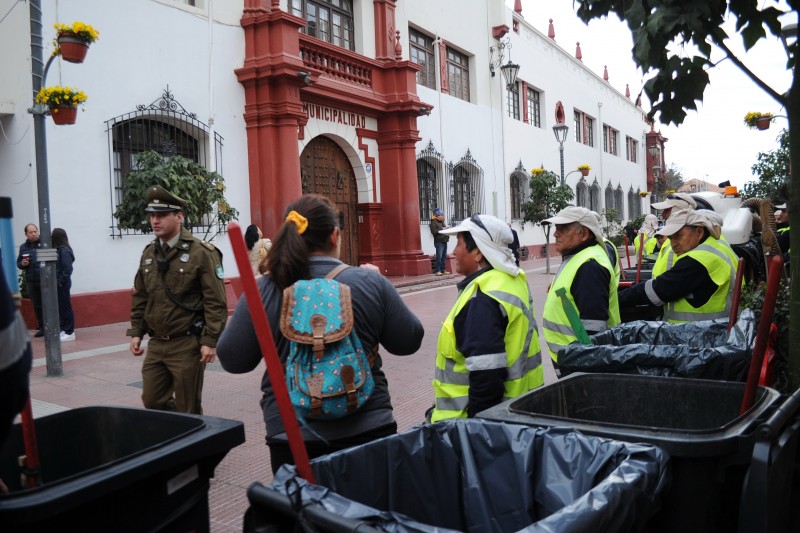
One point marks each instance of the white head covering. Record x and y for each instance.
(650, 225)
(581, 215)
(681, 200)
(781, 206)
(689, 217)
(492, 236)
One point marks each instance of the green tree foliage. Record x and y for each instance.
(203, 191)
(673, 42)
(772, 170)
(547, 198)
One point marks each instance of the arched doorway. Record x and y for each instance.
(325, 170)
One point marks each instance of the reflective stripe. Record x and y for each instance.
(595, 325)
(555, 348)
(452, 404)
(693, 317)
(523, 365)
(651, 293)
(486, 362)
(564, 329)
(450, 376)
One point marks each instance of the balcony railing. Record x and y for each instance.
(338, 63)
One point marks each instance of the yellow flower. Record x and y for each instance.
(81, 30)
(56, 96)
(584, 167)
(751, 119)
(536, 171)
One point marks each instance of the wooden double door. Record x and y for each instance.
(325, 170)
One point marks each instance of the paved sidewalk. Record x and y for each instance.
(100, 370)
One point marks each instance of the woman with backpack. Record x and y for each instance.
(64, 279)
(307, 247)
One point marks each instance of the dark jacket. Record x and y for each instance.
(64, 266)
(436, 227)
(32, 272)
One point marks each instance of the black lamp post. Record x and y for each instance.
(560, 131)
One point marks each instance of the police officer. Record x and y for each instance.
(179, 300)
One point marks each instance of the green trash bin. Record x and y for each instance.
(695, 421)
(117, 469)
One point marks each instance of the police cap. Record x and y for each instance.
(159, 200)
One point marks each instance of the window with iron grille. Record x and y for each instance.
(588, 138)
(462, 194)
(420, 50)
(594, 196)
(582, 193)
(619, 202)
(328, 20)
(534, 109)
(632, 201)
(609, 197)
(428, 190)
(164, 127)
(516, 197)
(610, 139)
(458, 74)
(512, 101)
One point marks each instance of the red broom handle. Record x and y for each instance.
(639, 257)
(627, 252)
(762, 333)
(271, 359)
(737, 293)
(31, 466)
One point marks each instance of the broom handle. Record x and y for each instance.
(270, 354)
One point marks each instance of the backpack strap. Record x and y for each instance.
(336, 271)
(332, 275)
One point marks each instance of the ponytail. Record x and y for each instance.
(288, 259)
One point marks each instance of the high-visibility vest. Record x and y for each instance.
(555, 324)
(615, 261)
(720, 261)
(665, 260)
(650, 243)
(522, 357)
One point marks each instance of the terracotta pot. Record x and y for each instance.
(584, 172)
(72, 48)
(64, 115)
(763, 123)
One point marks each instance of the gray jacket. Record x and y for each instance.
(380, 317)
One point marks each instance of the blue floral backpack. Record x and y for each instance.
(327, 372)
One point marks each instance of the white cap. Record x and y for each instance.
(782, 206)
(681, 200)
(582, 216)
(689, 217)
(492, 236)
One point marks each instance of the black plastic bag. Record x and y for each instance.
(480, 476)
(702, 350)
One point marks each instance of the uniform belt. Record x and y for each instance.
(172, 337)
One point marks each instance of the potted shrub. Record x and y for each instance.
(584, 168)
(72, 41)
(62, 102)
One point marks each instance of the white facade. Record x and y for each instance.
(499, 143)
(143, 49)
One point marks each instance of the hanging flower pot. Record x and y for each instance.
(72, 41)
(62, 102)
(763, 123)
(73, 49)
(757, 120)
(584, 170)
(64, 115)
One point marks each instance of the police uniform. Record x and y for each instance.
(179, 301)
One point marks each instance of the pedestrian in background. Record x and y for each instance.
(26, 260)
(307, 246)
(64, 281)
(587, 276)
(439, 241)
(645, 240)
(488, 348)
(179, 301)
(666, 257)
(258, 248)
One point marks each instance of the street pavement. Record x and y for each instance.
(100, 370)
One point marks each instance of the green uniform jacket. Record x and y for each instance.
(194, 277)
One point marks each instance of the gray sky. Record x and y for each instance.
(712, 144)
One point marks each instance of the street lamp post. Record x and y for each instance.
(560, 131)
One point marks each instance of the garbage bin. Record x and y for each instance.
(696, 422)
(701, 350)
(470, 475)
(117, 469)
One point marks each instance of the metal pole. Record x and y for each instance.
(46, 256)
(561, 150)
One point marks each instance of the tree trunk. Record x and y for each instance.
(793, 113)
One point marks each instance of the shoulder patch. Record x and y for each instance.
(209, 245)
(220, 273)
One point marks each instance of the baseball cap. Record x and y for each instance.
(689, 217)
(492, 236)
(679, 200)
(582, 216)
(438, 212)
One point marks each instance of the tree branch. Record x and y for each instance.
(781, 99)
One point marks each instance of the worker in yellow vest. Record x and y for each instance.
(646, 238)
(666, 257)
(488, 348)
(700, 284)
(587, 276)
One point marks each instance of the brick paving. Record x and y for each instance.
(99, 370)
